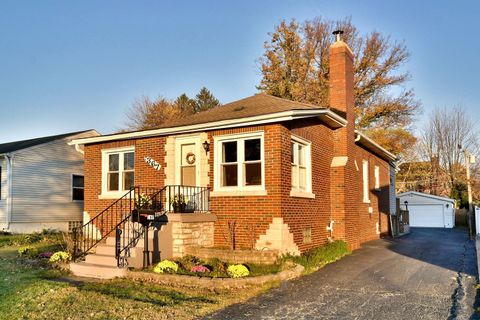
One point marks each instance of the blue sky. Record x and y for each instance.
(73, 65)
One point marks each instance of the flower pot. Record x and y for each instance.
(179, 208)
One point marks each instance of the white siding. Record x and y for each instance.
(393, 194)
(42, 182)
(3, 192)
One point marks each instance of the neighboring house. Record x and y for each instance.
(41, 185)
(427, 210)
(282, 175)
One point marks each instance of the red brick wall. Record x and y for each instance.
(251, 214)
(301, 213)
(379, 199)
(145, 175)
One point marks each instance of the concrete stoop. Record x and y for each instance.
(103, 265)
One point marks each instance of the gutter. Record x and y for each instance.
(325, 114)
(373, 145)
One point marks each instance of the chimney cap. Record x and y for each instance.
(337, 34)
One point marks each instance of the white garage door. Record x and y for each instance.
(426, 215)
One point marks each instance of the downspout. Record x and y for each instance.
(78, 149)
(9, 158)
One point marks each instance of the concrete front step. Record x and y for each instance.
(100, 259)
(89, 270)
(111, 241)
(105, 250)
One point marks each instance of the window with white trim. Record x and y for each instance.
(239, 162)
(301, 165)
(118, 170)
(77, 187)
(366, 191)
(377, 177)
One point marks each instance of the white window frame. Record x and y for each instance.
(297, 192)
(105, 154)
(376, 172)
(366, 186)
(72, 187)
(241, 189)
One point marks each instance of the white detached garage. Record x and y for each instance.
(426, 210)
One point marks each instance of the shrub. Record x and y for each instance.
(33, 238)
(166, 266)
(321, 256)
(199, 269)
(188, 262)
(60, 256)
(237, 271)
(24, 250)
(218, 267)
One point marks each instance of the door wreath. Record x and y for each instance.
(190, 158)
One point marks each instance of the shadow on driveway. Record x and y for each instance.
(428, 274)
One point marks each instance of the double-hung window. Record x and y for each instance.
(301, 167)
(118, 170)
(239, 162)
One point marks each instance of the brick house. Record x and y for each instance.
(281, 175)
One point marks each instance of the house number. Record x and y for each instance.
(152, 163)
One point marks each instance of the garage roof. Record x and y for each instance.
(426, 195)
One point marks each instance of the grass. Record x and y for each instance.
(317, 258)
(33, 291)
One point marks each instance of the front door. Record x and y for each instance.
(188, 165)
(187, 160)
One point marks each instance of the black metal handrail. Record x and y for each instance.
(86, 237)
(91, 233)
(149, 208)
(124, 217)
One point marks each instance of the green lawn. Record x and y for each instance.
(30, 291)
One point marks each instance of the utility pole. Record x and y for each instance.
(469, 186)
(470, 215)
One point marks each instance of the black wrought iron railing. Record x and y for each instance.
(149, 207)
(127, 217)
(86, 237)
(187, 199)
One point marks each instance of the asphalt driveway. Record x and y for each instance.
(428, 274)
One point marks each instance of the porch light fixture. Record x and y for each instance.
(446, 205)
(206, 146)
(406, 204)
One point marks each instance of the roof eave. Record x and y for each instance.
(375, 147)
(326, 115)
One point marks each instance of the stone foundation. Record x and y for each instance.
(190, 230)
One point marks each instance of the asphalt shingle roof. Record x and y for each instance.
(23, 144)
(256, 105)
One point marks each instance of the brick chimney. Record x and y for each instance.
(343, 175)
(341, 78)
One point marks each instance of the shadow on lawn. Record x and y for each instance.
(147, 293)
